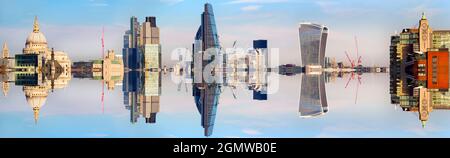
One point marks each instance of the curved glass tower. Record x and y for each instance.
(313, 40)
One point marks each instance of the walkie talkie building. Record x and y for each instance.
(313, 40)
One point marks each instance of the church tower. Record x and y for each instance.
(424, 34)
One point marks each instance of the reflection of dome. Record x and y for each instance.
(36, 38)
(36, 97)
(37, 101)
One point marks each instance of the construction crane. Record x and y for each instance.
(352, 62)
(103, 79)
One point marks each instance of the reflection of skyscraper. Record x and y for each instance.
(313, 99)
(313, 38)
(206, 95)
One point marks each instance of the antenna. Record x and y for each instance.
(103, 74)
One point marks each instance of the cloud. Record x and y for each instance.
(171, 2)
(251, 8)
(256, 1)
(251, 132)
(98, 3)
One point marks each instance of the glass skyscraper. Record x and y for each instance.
(206, 95)
(313, 40)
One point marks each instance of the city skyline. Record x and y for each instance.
(283, 15)
(236, 102)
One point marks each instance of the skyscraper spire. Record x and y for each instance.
(36, 25)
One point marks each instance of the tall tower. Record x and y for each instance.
(152, 66)
(424, 34)
(424, 105)
(206, 95)
(313, 40)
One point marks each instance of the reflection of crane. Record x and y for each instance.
(103, 71)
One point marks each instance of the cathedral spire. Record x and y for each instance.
(36, 25)
(5, 51)
(36, 114)
(5, 88)
(423, 16)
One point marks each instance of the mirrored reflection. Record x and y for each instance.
(213, 92)
(420, 70)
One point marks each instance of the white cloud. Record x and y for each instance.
(256, 1)
(98, 3)
(251, 8)
(171, 2)
(251, 132)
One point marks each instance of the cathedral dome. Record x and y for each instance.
(36, 37)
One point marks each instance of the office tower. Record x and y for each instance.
(206, 95)
(152, 48)
(152, 66)
(142, 81)
(126, 47)
(313, 39)
(441, 39)
(131, 51)
(260, 64)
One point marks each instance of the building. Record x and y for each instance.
(260, 62)
(46, 69)
(151, 45)
(420, 70)
(313, 39)
(437, 70)
(441, 39)
(142, 62)
(206, 94)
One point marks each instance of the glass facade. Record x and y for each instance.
(313, 101)
(206, 95)
(313, 38)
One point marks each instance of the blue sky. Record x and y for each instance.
(75, 26)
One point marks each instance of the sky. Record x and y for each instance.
(75, 26)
